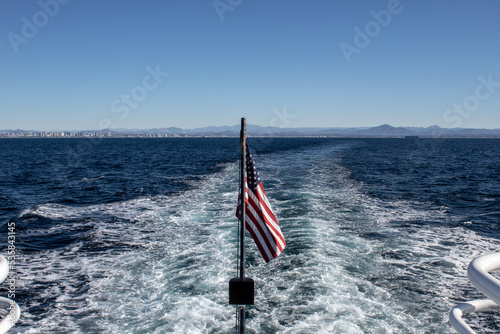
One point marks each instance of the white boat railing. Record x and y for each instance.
(479, 275)
(14, 312)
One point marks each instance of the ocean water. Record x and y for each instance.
(139, 235)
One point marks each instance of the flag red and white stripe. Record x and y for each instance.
(260, 219)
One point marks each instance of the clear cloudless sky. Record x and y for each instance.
(91, 64)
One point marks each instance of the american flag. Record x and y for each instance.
(260, 219)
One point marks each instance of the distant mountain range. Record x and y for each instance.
(378, 131)
(385, 130)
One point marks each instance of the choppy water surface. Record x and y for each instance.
(138, 235)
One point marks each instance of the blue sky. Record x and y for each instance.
(75, 64)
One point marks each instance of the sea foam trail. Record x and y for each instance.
(356, 264)
(155, 265)
(161, 264)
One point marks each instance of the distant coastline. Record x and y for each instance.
(382, 131)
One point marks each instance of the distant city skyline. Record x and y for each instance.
(435, 133)
(74, 65)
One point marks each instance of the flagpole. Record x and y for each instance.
(242, 215)
(243, 196)
(241, 288)
(266, 232)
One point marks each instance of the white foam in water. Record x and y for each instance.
(347, 267)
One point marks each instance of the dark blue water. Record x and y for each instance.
(461, 175)
(137, 235)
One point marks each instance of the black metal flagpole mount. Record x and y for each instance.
(241, 288)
